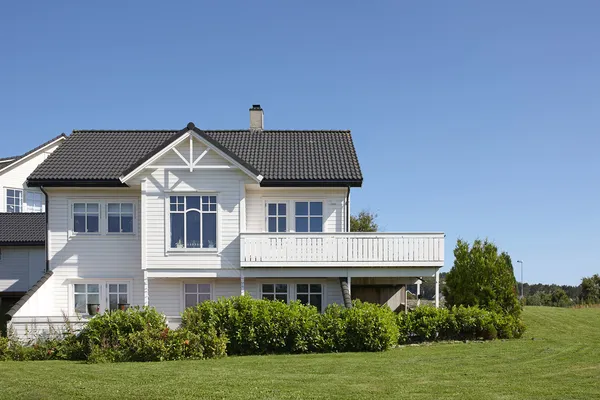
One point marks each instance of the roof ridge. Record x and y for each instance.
(207, 130)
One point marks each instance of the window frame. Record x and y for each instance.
(103, 216)
(120, 214)
(308, 293)
(13, 197)
(175, 250)
(308, 216)
(29, 206)
(288, 226)
(86, 214)
(190, 282)
(274, 293)
(103, 292)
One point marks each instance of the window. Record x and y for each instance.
(310, 294)
(120, 217)
(277, 217)
(193, 222)
(86, 294)
(275, 291)
(86, 217)
(195, 293)
(309, 216)
(14, 200)
(34, 201)
(97, 297)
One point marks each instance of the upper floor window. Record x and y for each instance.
(277, 217)
(193, 222)
(14, 200)
(86, 217)
(34, 202)
(120, 217)
(309, 216)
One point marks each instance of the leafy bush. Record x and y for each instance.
(426, 323)
(256, 326)
(459, 323)
(369, 327)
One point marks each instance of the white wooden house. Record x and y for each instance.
(173, 218)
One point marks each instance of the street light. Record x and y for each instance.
(521, 262)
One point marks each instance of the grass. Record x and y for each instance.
(559, 358)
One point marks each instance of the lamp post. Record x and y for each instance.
(521, 262)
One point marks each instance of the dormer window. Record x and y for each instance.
(193, 222)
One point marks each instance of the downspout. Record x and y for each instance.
(348, 210)
(46, 241)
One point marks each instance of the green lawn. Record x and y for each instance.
(559, 358)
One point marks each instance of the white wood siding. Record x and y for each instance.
(21, 267)
(91, 256)
(333, 205)
(15, 177)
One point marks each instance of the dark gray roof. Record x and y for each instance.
(27, 295)
(282, 157)
(21, 229)
(6, 161)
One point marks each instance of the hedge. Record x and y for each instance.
(244, 326)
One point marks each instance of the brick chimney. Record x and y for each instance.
(257, 118)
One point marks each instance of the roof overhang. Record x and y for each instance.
(194, 133)
(76, 183)
(310, 183)
(16, 244)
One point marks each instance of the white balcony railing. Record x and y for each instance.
(342, 249)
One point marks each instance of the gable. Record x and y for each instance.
(207, 156)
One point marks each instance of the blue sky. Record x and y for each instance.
(472, 118)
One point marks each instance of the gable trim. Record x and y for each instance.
(193, 132)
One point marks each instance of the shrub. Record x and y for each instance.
(426, 323)
(369, 327)
(459, 323)
(250, 326)
(4, 343)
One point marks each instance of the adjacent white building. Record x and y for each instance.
(173, 218)
(22, 225)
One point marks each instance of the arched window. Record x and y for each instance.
(193, 222)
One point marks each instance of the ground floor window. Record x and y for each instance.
(275, 291)
(196, 293)
(91, 298)
(87, 296)
(310, 294)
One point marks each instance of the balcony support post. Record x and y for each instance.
(418, 293)
(242, 283)
(437, 288)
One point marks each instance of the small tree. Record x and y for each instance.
(590, 289)
(481, 276)
(363, 222)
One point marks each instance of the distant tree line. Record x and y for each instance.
(588, 292)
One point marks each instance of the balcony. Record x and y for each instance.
(354, 249)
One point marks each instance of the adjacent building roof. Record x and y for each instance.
(7, 161)
(28, 295)
(22, 229)
(283, 158)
